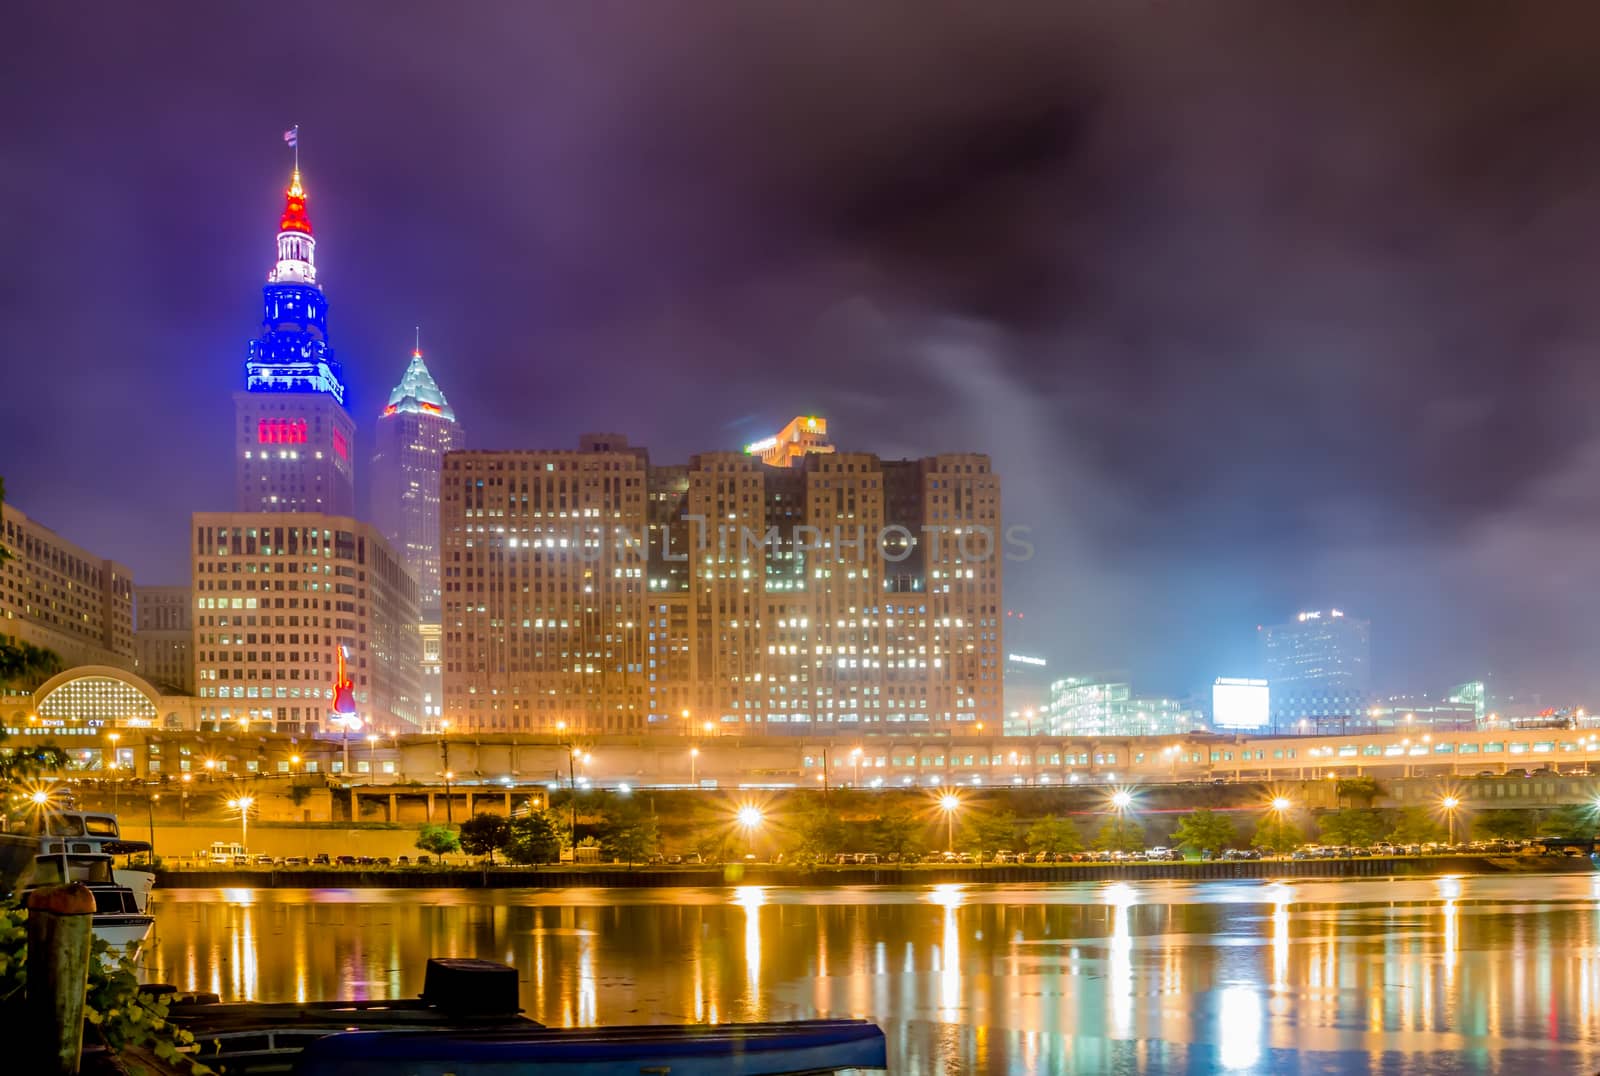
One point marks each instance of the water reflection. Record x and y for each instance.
(1445, 975)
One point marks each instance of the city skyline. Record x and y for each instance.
(1196, 460)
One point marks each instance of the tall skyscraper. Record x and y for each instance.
(415, 430)
(1318, 665)
(294, 442)
(832, 593)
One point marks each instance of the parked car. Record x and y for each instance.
(346, 861)
(866, 857)
(1005, 855)
(405, 861)
(294, 861)
(384, 861)
(262, 860)
(423, 861)
(674, 860)
(321, 859)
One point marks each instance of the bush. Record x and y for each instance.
(113, 1007)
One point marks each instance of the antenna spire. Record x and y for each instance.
(417, 351)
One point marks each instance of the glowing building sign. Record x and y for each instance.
(281, 431)
(341, 445)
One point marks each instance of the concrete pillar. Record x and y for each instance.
(430, 807)
(394, 807)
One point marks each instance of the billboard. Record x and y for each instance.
(1239, 704)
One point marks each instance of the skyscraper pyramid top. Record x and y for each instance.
(418, 393)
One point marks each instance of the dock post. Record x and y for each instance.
(60, 930)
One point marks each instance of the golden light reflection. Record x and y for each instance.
(1119, 959)
(1281, 896)
(586, 981)
(950, 898)
(751, 898)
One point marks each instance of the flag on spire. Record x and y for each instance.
(291, 137)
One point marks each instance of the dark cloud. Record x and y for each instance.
(1256, 305)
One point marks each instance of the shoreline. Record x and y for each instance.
(618, 877)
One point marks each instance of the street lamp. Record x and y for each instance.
(750, 819)
(1280, 804)
(449, 815)
(372, 757)
(115, 765)
(694, 756)
(855, 759)
(1450, 804)
(243, 804)
(949, 803)
(1121, 801)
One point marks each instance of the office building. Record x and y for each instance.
(416, 428)
(1319, 666)
(805, 435)
(835, 593)
(276, 596)
(294, 442)
(163, 637)
(59, 596)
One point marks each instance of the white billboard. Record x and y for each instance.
(1239, 704)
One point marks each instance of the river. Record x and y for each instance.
(1447, 975)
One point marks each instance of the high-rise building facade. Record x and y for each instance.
(1319, 666)
(276, 596)
(415, 430)
(59, 596)
(837, 593)
(294, 441)
(163, 637)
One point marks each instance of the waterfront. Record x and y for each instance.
(1442, 975)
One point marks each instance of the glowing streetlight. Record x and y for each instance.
(694, 758)
(115, 764)
(40, 797)
(243, 804)
(855, 759)
(949, 803)
(1122, 799)
(1450, 805)
(1280, 805)
(707, 726)
(372, 757)
(750, 819)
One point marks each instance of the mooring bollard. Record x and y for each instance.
(60, 931)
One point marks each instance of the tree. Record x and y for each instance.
(485, 833)
(1357, 827)
(1572, 822)
(1118, 834)
(1417, 825)
(629, 834)
(988, 834)
(1052, 834)
(25, 665)
(1503, 825)
(1204, 830)
(1363, 789)
(1277, 834)
(534, 838)
(819, 835)
(897, 833)
(438, 840)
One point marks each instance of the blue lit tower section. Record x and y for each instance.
(294, 440)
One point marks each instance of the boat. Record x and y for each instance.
(81, 846)
(118, 917)
(468, 1022)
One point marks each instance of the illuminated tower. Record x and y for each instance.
(414, 432)
(293, 439)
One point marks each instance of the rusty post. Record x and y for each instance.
(60, 933)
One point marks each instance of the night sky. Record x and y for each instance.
(1257, 307)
